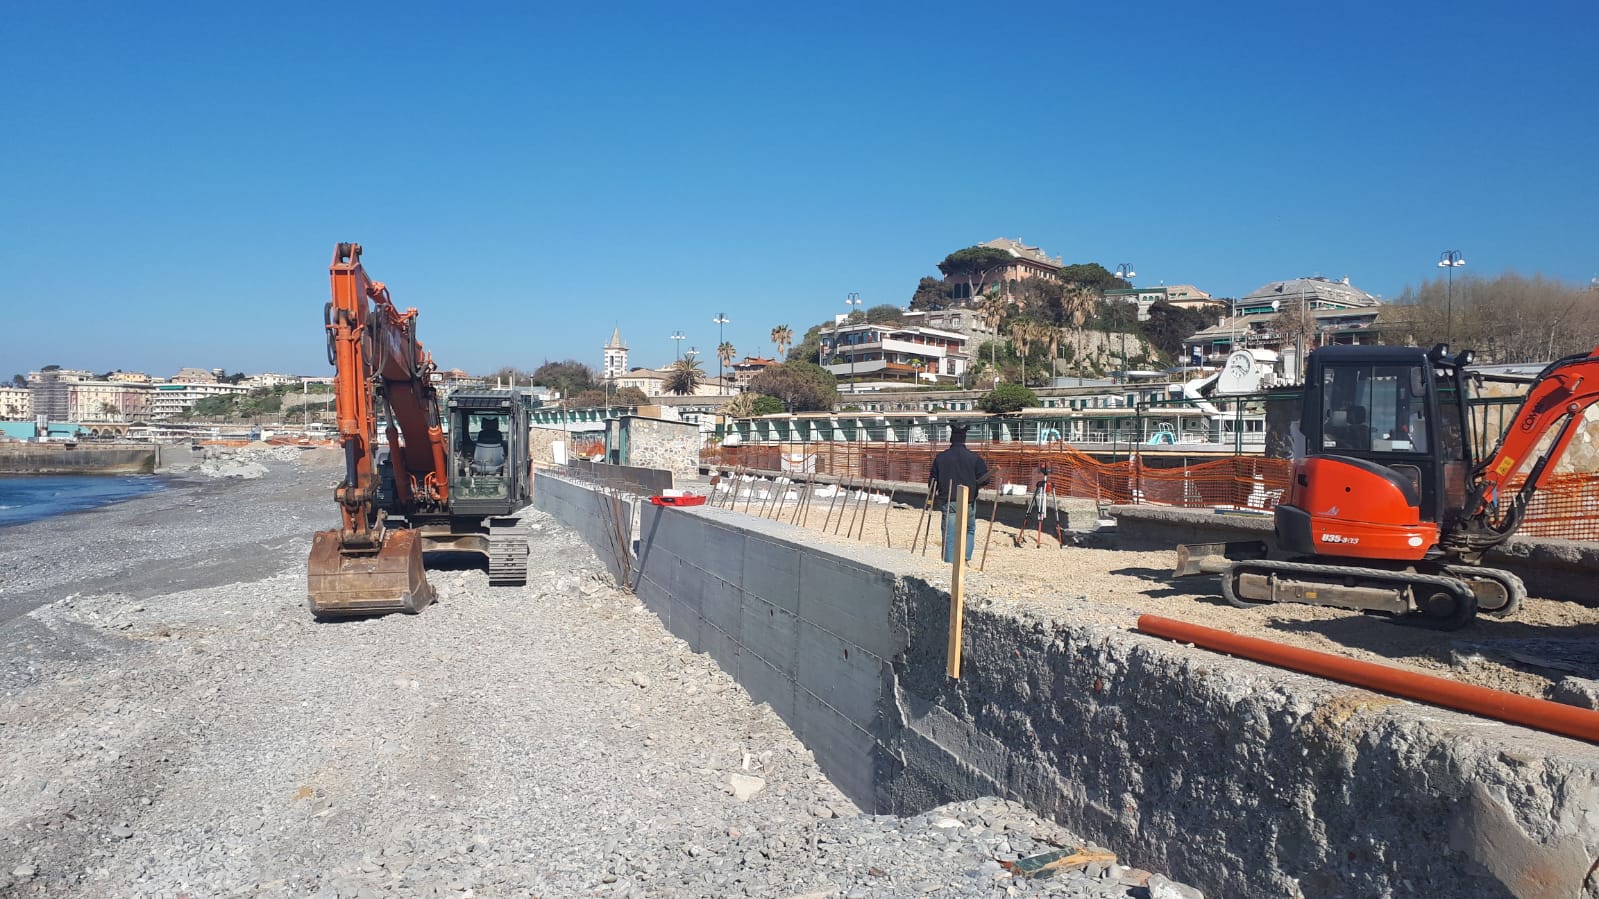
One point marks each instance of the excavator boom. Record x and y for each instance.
(364, 568)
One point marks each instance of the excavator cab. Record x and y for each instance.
(1384, 466)
(489, 452)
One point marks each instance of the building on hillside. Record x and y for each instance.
(82, 400)
(177, 397)
(1028, 262)
(268, 380)
(16, 403)
(59, 374)
(1292, 318)
(876, 352)
(615, 357)
(748, 368)
(653, 382)
(129, 377)
(197, 375)
(1185, 296)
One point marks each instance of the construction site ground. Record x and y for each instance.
(1088, 579)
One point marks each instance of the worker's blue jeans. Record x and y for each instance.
(951, 513)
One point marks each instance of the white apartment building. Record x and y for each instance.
(16, 404)
(176, 397)
(885, 352)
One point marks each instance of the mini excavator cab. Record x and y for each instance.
(488, 467)
(1384, 470)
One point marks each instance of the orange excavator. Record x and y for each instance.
(1391, 507)
(412, 490)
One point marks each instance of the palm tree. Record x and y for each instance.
(684, 376)
(1021, 336)
(992, 307)
(725, 353)
(783, 336)
(1077, 302)
(1051, 337)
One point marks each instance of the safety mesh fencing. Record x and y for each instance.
(1567, 508)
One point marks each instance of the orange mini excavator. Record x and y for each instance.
(412, 490)
(1391, 506)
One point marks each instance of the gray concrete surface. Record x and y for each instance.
(1242, 779)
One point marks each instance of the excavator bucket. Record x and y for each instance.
(390, 580)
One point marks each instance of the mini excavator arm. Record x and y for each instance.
(380, 367)
(1555, 403)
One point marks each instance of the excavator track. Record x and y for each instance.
(1441, 601)
(508, 552)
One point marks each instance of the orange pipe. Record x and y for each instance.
(1539, 714)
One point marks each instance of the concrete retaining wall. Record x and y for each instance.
(590, 513)
(48, 458)
(1242, 779)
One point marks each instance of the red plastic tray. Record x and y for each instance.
(678, 500)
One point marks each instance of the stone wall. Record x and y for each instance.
(58, 458)
(656, 443)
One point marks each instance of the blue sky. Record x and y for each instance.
(529, 176)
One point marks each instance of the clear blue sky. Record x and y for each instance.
(172, 184)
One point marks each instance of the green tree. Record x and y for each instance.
(725, 353)
(931, 294)
(800, 386)
(1091, 275)
(886, 314)
(766, 405)
(591, 398)
(684, 376)
(215, 406)
(809, 347)
(630, 396)
(1008, 398)
(19, 381)
(51, 368)
(568, 377)
(974, 267)
(1168, 326)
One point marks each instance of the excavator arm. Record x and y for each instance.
(381, 374)
(1555, 404)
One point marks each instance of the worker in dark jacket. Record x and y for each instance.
(952, 468)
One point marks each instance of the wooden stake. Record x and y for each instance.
(992, 514)
(957, 583)
(887, 508)
(926, 507)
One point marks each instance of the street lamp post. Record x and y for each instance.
(1451, 260)
(677, 338)
(1126, 273)
(719, 321)
(853, 300)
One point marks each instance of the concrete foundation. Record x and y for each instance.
(1238, 778)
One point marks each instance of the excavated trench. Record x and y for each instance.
(1240, 779)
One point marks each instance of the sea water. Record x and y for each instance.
(30, 498)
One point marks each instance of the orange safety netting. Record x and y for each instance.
(1567, 507)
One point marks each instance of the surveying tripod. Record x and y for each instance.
(1040, 506)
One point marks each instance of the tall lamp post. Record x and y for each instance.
(677, 338)
(1451, 260)
(1126, 273)
(719, 321)
(853, 300)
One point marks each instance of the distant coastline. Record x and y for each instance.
(81, 458)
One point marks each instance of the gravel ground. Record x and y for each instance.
(1089, 579)
(173, 723)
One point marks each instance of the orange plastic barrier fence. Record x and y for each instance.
(1568, 508)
